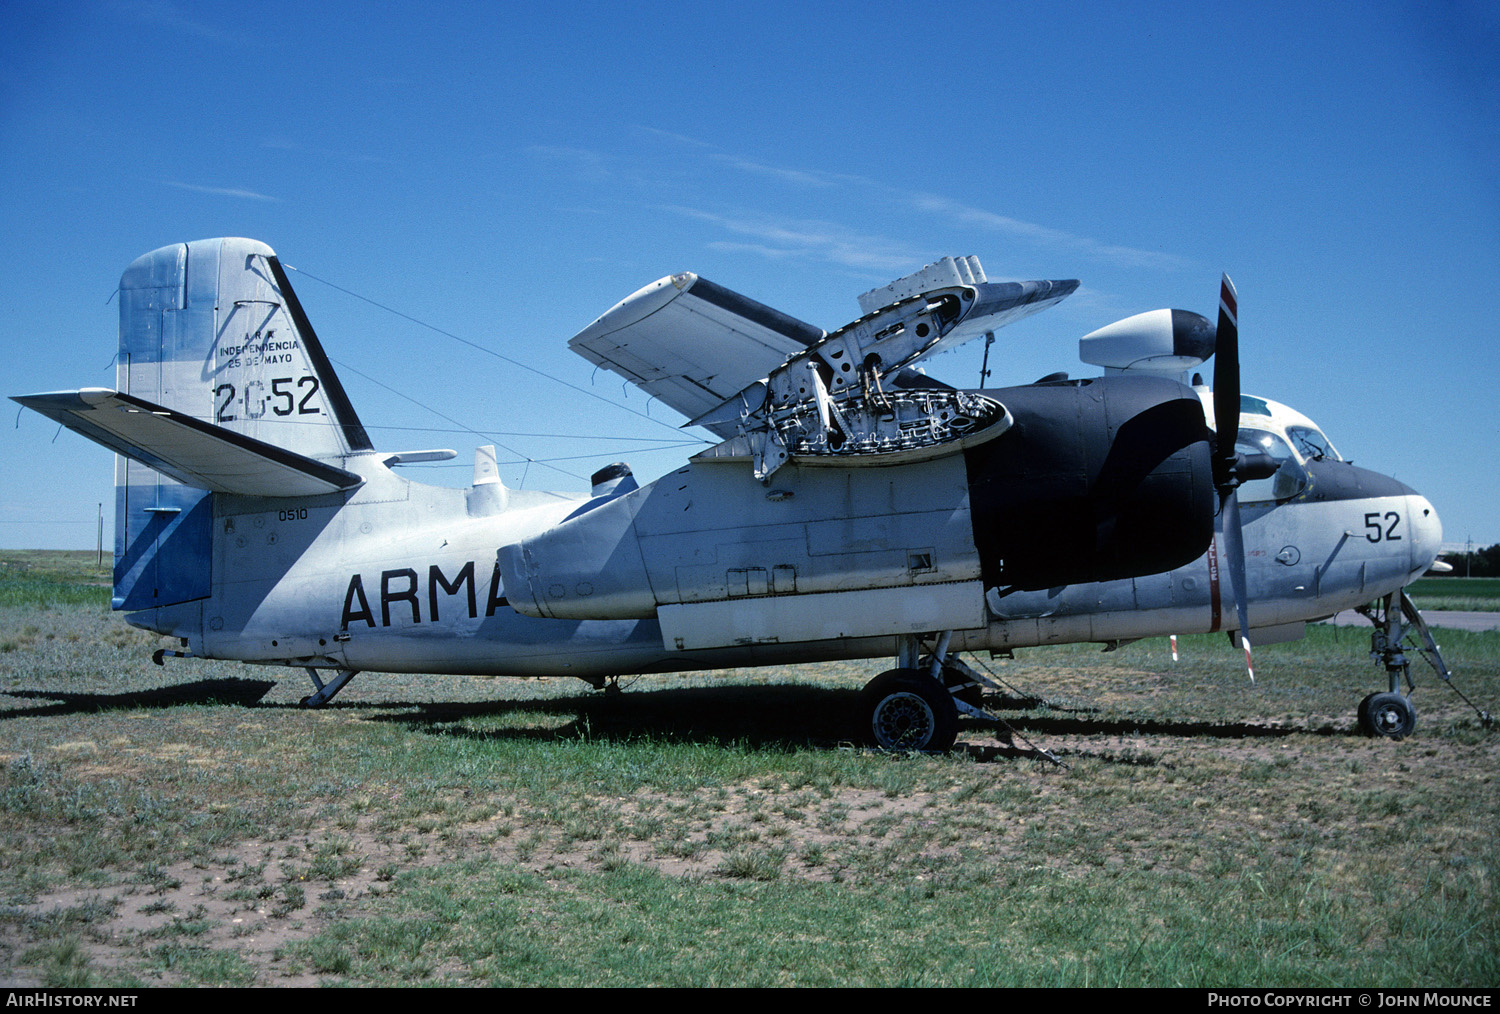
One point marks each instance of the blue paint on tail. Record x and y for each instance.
(212, 330)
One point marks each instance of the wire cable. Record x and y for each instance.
(488, 351)
(467, 429)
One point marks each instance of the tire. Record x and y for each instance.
(904, 709)
(1389, 715)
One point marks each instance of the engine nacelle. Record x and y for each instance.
(1101, 479)
(1098, 480)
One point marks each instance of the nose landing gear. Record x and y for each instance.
(1391, 714)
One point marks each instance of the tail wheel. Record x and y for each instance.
(1390, 715)
(905, 709)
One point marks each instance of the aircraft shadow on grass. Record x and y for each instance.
(245, 693)
(788, 715)
(759, 717)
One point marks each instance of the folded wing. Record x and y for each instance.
(690, 343)
(775, 388)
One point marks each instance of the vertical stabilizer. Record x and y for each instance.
(213, 330)
(488, 494)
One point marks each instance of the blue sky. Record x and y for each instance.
(507, 172)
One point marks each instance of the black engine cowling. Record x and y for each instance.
(1098, 480)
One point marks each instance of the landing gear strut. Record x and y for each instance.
(326, 691)
(1391, 714)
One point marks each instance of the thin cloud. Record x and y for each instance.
(169, 15)
(768, 252)
(221, 191)
(796, 177)
(962, 214)
(1042, 235)
(296, 148)
(584, 162)
(679, 138)
(812, 239)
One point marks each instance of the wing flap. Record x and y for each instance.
(194, 452)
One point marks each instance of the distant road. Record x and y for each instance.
(1434, 618)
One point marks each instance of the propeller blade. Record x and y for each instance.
(1227, 464)
(1226, 385)
(1234, 551)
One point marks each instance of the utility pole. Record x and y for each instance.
(99, 556)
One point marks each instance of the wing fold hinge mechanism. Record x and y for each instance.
(851, 398)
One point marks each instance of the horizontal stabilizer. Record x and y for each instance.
(194, 452)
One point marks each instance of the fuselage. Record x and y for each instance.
(405, 577)
(853, 507)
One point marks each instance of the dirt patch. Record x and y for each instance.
(257, 897)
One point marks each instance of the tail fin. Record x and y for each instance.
(223, 387)
(212, 330)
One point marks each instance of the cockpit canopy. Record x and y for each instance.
(1311, 443)
(1290, 438)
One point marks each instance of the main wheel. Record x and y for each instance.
(904, 709)
(1390, 715)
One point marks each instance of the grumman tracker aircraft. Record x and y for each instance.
(855, 507)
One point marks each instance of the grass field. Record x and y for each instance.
(189, 825)
(1471, 594)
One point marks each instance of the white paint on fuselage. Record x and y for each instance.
(383, 582)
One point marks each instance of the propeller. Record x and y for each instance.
(1226, 387)
(1230, 467)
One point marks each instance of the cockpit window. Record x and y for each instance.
(1311, 443)
(1289, 480)
(1251, 405)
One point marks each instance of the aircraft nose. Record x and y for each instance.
(1426, 534)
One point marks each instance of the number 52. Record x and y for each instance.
(1378, 528)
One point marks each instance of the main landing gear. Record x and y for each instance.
(907, 709)
(1391, 714)
(916, 705)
